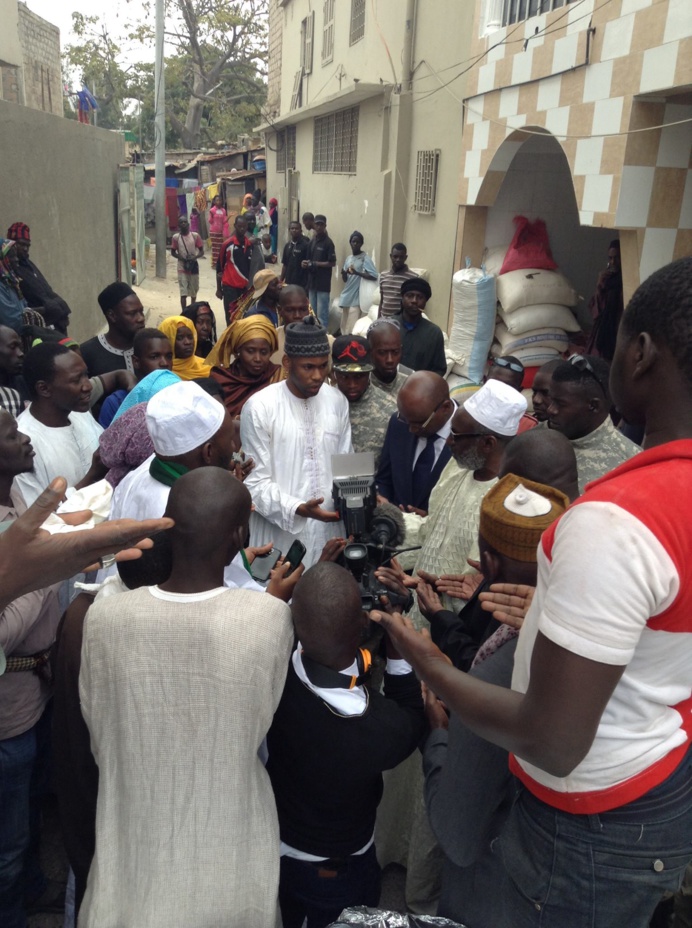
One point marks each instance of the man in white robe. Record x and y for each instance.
(189, 429)
(178, 687)
(291, 429)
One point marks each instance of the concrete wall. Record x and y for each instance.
(10, 49)
(349, 201)
(412, 113)
(40, 42)
(442, 32)
(64, 187)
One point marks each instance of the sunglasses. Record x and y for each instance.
(583, 364)
(502, 362)
(420, 425)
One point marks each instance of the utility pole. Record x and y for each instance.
(160, 145)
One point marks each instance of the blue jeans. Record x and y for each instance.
(596, 871)
(319, 891)
(23, 770)
(319, 300)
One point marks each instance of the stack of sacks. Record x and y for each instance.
(535, 316)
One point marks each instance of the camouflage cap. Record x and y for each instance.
(351, 354)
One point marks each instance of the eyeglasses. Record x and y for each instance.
(420, 425)
(503, 362)
(583, 364)
(455, 436)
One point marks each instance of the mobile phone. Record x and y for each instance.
(263, 565)
(296, 553)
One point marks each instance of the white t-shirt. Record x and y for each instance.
(605, 585)
(60, 452)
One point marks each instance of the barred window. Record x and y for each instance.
(328, 32)
(286, 149)
(335, 143)
(281, 151)
(357, 21)
(516, 11)
(291, 148)
(427, 165)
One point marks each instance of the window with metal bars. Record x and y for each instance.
(427, 165)
(286, 149)
(335, 143)
(328, 32)
(516, 11)
(291, 148)
(281, 151)
(357, 21)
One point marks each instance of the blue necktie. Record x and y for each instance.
(421, 472)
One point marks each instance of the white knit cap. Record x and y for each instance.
(497, 407)
(182, 417)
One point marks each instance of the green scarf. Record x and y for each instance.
(166, 472)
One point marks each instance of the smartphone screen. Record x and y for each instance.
(296, 553)
(262, 566)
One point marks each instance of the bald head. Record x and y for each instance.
(544, 456)
(328, 615)
(209, 506)
(424, 398)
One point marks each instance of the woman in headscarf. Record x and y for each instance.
(12, 302)
(146, 388)
(126, 443)
(247, 203)
(202, 317)
(182, 335)
(251, 343)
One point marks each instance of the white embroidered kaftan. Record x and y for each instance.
(292, 441)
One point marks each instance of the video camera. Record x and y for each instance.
(377, 531)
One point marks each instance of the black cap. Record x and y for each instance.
(351, 354)
(306, 339)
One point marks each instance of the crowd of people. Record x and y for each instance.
(215, 711)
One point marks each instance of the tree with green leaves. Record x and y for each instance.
(214, 78)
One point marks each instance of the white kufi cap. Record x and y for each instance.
(497, 407)
(182, 417)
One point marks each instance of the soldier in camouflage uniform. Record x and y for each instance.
(384, 339)
(580, 408)
(369, 409)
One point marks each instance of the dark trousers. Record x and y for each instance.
(230, 295)
(319, 891)
(23, 774)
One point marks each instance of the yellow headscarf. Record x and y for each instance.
(237, 334)
(192, 368)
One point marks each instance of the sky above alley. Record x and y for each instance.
(116, 13)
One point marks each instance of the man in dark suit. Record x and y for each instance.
(415, 448)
